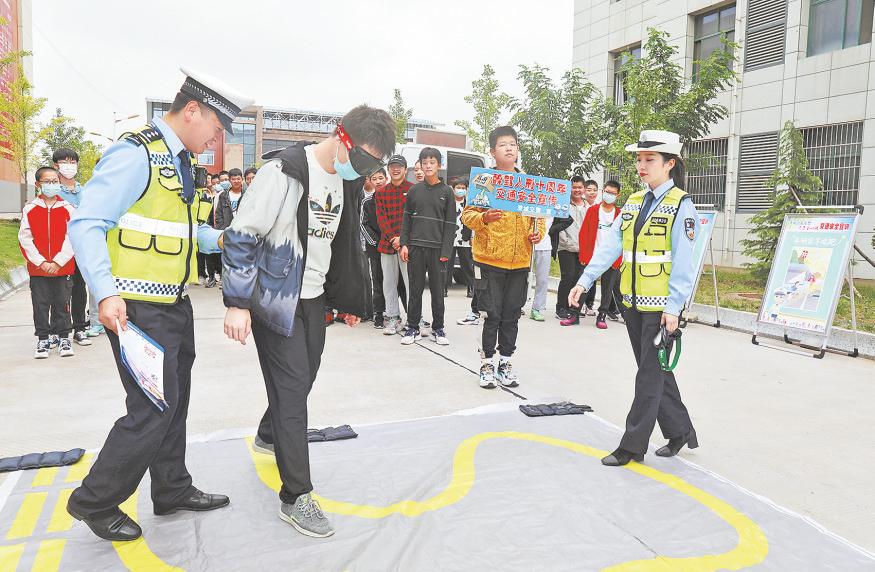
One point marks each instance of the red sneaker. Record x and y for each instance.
(329, 317)
(600, 322)
(572, 320)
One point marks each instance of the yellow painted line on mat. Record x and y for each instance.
(28, 513)
(9, 557)
(752, 547)
(136, 555)
(78, 471)
(61, 519)
(44, 477)
(48, 557)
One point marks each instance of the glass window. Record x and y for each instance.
(838, 24)
(620, 59)
(706, 178)
(710, 29)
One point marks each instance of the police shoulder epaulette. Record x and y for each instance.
(145, 136)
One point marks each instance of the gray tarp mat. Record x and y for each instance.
(490, 491)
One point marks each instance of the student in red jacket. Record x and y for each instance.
(596, 223)
(46, 247)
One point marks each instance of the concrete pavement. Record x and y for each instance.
(793, 429)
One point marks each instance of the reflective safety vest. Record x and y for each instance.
(153, 249)
(646, 263)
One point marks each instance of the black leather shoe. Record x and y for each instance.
(675, 445)
(621, 457)
(196, 501)
(115, 527)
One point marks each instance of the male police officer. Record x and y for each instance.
(136, 235)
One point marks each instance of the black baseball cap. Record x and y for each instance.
(399, 159)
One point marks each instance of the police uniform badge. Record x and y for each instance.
(167, 172)
(627, 216)
(690, 228)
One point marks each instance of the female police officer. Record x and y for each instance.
(655, 234)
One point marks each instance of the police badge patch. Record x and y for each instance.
(167, 172)
(690, 228)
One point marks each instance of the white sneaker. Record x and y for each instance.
(392, 325)
(42, 349)
(506, 375)
(410, 336)
(471, 319)
(440, 338)
(65, 347)
(487, 376)
(54, 341)
(81, 338)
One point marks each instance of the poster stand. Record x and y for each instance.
(824, 347)
(712, 217)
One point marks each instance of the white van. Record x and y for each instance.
(456, 162)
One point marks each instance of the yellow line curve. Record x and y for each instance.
(752, 547)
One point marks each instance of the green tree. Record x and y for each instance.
(19, 131)
(488, 104)
(401, 115)
(557, 123)
(659, 98)
(63, 132)
(89, 154)
(793, 184)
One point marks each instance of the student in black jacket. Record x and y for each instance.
(428, 228)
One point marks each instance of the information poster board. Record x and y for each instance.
(530, 195)
(700, 247)
(808, 271)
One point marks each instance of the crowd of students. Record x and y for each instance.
(411, 234)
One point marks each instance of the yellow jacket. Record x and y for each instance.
(505, 242)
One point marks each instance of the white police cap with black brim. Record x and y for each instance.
(215, 94)
(658, 142)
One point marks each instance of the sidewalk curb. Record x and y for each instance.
(745, 322)
(18, 277)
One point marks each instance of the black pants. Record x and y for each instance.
(610, 291)
(424, 259)
(145, 438)
(201, 265)
(466, 265)
(377, 281)
(501, 294)
(588, 299)
(50, 297)
(289, 366)
(657, 398)
(79, 303)
(214, 265)
(570, 270)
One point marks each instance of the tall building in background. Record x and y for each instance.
(259, 130)
(14, 36)
(809, 61)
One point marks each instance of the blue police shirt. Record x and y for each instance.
(117, 183)
(72, 196)
(682, 278)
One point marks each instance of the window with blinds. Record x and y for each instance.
(706, 177)
(765, 36)
(757, 160)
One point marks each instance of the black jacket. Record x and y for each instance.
(223, 214)
(430, 218)
(370, 227)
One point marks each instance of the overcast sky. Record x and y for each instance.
(95, 57)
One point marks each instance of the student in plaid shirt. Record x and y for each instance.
(390, 210)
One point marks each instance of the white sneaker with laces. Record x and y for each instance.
(487, 376)
(471, 319)
(65, 348)
(42, 349)
(440, 338)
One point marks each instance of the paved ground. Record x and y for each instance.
(793, 429)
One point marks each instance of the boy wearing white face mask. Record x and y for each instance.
(596, 224)
(66, 163)
(43, 240)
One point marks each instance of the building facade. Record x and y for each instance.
(15, 35)
(806, 61)
(259, 130)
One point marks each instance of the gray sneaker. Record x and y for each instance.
(260, 446)
(392, 325)
(306, 516)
